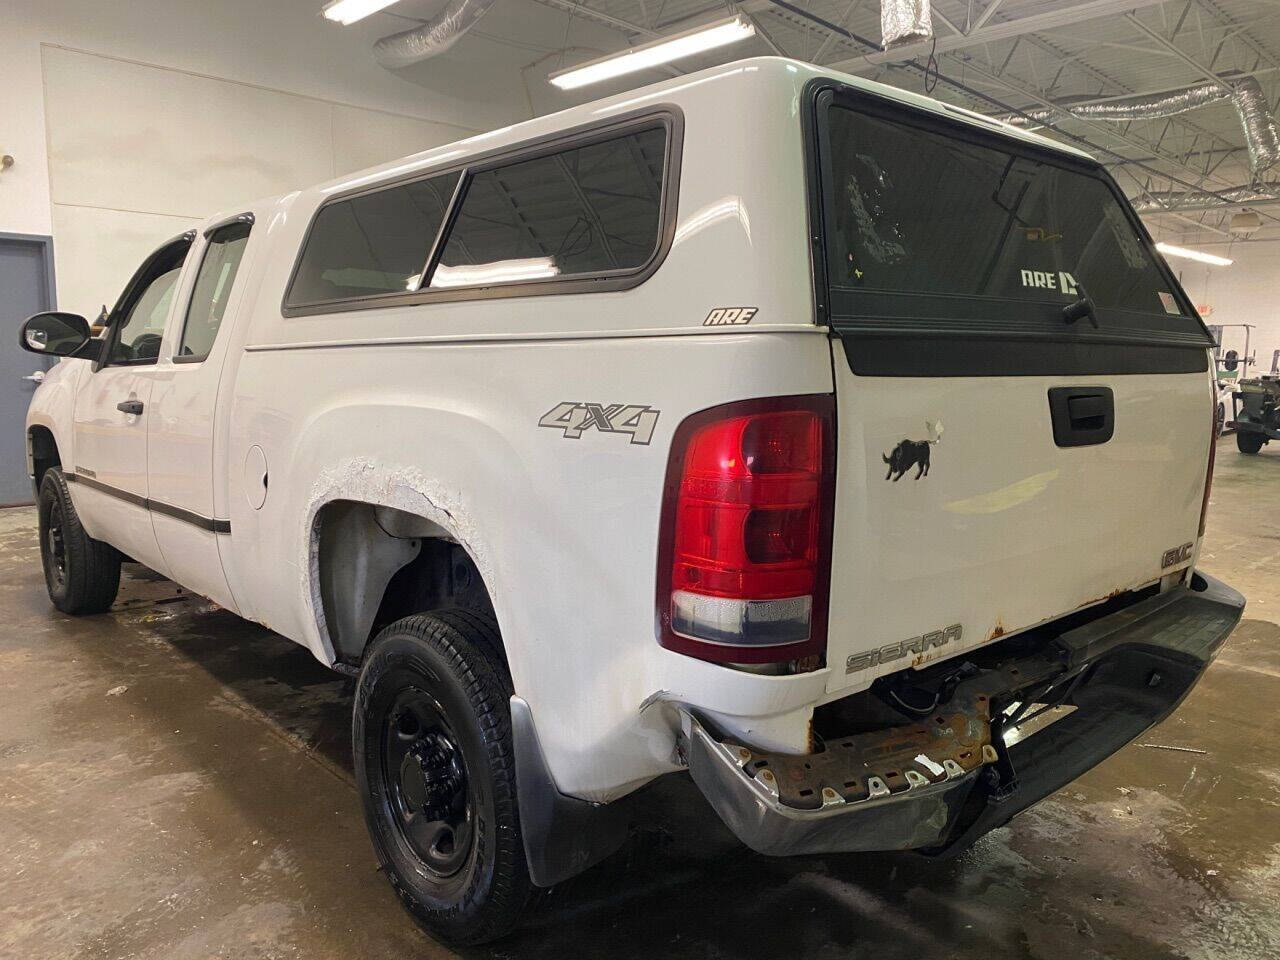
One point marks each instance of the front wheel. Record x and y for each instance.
(1248, 441)
(81, 574)
(431, 734)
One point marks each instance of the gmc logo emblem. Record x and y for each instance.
(1176, 555)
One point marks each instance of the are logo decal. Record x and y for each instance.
(1050, 280)
(573, 419)
(729, 316)
(1176, 555)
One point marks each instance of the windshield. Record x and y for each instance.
(917, 211)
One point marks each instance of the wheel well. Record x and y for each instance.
(377, 564)
(44, 452)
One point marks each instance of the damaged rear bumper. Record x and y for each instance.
(941, 783)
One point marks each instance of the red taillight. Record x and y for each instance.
(744, 552)
(1214, 428)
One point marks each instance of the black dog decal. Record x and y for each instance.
(912, 453)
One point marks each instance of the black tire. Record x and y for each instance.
(82, 574)
(1248, 441)
(434, 702)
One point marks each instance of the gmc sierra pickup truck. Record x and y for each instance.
(841, 448)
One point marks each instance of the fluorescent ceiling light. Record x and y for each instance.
(1169, 250)
(347, 12)
(658, 52)
(500, 271)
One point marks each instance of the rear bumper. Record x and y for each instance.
(941, 784)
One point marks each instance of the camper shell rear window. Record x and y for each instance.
(935, 230)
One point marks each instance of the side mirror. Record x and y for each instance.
(55, 334)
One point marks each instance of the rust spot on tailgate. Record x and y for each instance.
(1117, 592)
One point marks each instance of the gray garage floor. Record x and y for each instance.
(175, 783)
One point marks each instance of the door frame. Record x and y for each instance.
(45, 243)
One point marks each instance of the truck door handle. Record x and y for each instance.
(1081, 416)
(130, 406)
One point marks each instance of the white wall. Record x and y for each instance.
(136, 152)
(127, 120)
(1248, 291)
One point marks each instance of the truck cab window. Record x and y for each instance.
(212, 292)
(143, 327)
(140, 318)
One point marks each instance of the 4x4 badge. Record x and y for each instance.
(637, 420)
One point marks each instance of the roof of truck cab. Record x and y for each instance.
(780, 70)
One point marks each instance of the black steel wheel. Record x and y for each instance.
(81, 574)
(431, 734)
(1249, 441)
(430, 795)
(54, 548)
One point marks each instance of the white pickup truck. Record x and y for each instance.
(756, 424)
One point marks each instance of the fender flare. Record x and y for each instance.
(45, 422)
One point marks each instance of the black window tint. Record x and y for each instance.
(372, 244)
(917, 211)
(212, 292)
(589, 210)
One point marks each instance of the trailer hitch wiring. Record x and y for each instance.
(914, 701)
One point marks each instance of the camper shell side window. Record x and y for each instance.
(587, 210)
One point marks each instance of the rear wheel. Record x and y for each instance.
(81, 574)
(433, 758)
(1248, 441)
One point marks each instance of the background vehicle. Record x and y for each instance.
(1225, 390)
(668, 433)
(1258, 421)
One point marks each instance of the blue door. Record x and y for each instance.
(26, 287)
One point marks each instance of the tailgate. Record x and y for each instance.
(1006, 529)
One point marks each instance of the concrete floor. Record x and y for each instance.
(176, 783)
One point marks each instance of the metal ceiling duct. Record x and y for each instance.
(433, 37)
(1261, 134)
(1156, 200)
(905, 21)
